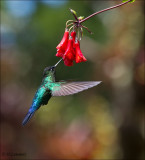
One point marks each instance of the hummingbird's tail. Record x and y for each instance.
(27, 117)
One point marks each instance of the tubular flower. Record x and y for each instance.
(69, 53)
(68, 62)
(73, 34)
(61, 47)
(60, 53)
(79, 56)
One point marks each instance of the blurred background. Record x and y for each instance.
(105, 122)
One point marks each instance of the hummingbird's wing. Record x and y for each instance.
(68, 88)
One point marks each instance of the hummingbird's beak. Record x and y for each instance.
(57, 63)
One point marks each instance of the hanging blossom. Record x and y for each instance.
(69, 46)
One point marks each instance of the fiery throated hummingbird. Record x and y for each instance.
(49, 87)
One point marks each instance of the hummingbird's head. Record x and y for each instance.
(49, 69)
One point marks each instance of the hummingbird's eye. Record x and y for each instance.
(52, 68)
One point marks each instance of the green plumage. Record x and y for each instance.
(49, 87)
(43, 93)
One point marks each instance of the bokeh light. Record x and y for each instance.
(104, 122)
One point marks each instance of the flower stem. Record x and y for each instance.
(81, 21)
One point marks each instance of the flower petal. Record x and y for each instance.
(60, 53)
(73, 35)
(69, 53)
(79, 56)
(63, 44)
(68, 62)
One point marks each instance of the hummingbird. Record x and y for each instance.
(49, 87)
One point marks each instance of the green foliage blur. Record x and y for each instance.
(104, 122)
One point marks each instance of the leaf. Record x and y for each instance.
(131, 1)
(73, 11)
(81, 17)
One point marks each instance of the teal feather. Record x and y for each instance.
(49, 87)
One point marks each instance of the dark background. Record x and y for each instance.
(105, 122)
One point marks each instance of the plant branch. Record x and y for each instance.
(81, 21)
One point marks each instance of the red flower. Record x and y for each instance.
(60, 53)
(79, 56)
(73, 34)
(69, 53)
(61, 47)
(69, 49)
(68, 62)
